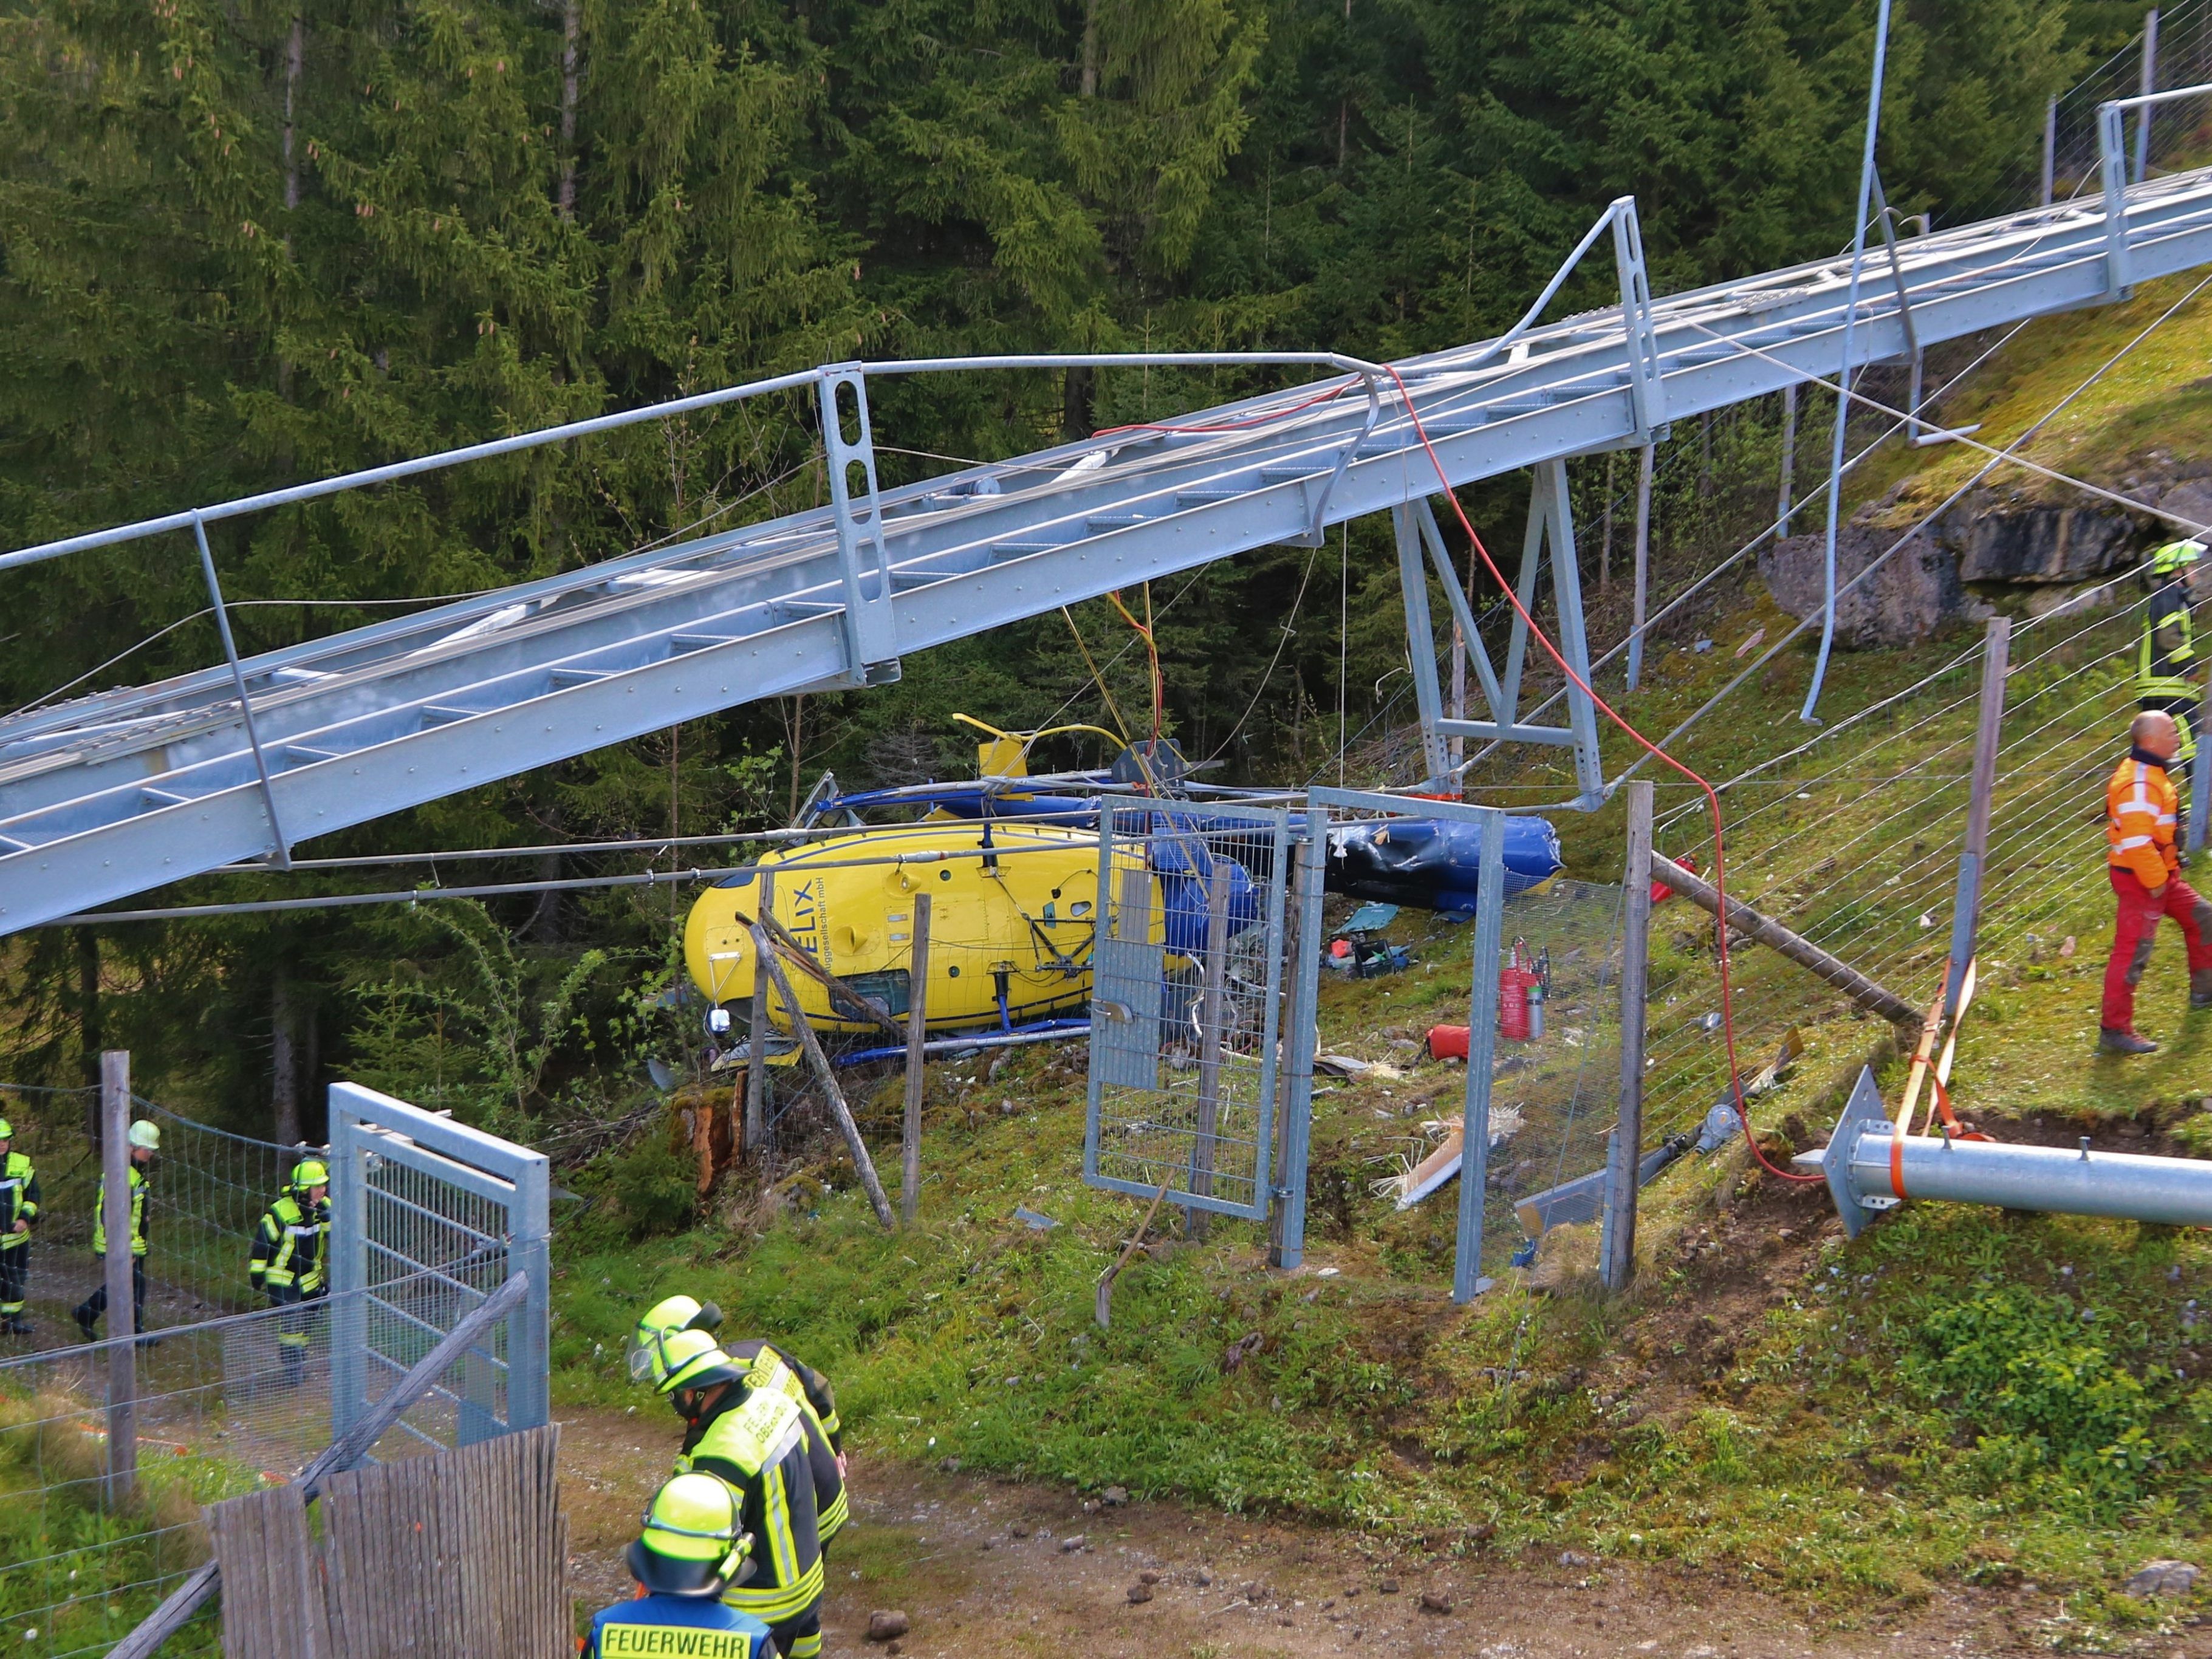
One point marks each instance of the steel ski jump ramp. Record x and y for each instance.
(111, 794)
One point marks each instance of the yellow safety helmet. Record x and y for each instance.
(680, 1313)
(2175, 556)
(7, 1130)
(693, 1540)
(309, 1172)
(146, 1134)
(679, 1359)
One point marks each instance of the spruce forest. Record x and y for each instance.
(245, 243)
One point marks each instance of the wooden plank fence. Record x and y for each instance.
(456, 1555)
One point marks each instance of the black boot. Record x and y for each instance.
(2200, 987)
(84, 1322)
(2110, 1041)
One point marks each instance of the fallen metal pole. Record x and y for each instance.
(1870, 1168)
(1875, 998)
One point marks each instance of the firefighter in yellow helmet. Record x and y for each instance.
(756, 1440)
(770, 1367)
(2169, 667)
(692, 1548)
(289, 1261)
(19, 1213)
(145, 1143)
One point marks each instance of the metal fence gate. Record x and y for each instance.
(1187, 1086)
(428, 1217)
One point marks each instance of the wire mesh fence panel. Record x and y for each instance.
(223, 1407)
(1852, 841)
(1554, 1100)
(205, 1197)
(1187, 1004)
(428, 1217)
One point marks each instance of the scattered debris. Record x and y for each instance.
(1388, 1586)
(1346, 1066)
(886, 1624)
(1071, 1543)
(1103, 1305)
(1114, 1497)
(1369, 918)
(2067, 949)
(1417, 1181)
(1435, 1601)
(1148, 1578)
(1574, 1559)
(951, 1465)
(1240, 1351)
(1752, 643)
(2162, 1578)
(1367, 957)
(1029, 1218)
(1141, 1592)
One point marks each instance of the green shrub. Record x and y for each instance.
(2040, 1388)
(655, 1186)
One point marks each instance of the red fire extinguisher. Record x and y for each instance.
(1519, 1006)
(1518, 985)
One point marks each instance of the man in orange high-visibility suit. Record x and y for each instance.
(2140, 810)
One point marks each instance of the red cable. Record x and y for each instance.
(1712, 796)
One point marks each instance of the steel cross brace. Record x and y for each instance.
(1550, 521)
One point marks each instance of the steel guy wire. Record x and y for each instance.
(1881, 559)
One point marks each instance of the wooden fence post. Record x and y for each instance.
(1625, 1154)
(756, 1053)
(917, 1031)
(828, 1076)
(122, 1310)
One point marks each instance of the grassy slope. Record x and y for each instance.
(1956, 1396)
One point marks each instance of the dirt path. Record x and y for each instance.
(984, 1567)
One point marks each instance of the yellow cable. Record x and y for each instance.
(1097, 679)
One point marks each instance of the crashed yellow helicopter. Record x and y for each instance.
(1010, 864)
(1012, 877)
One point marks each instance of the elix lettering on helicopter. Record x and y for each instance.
(1010, 864)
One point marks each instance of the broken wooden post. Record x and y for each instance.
(917, 1026)
(823, 1071)
(1875, 998)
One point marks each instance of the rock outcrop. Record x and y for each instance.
(1994, 550)
(1913, 593)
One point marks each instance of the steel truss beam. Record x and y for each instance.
(111, 794)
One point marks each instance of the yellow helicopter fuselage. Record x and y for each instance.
(1013, 913)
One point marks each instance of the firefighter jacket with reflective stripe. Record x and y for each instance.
(288, 1249)
(756, 1439)
(772, 1368)
(2166, 654)
(2140, 804)
(19, 1199)
(677, 1627)
(137, 1213)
